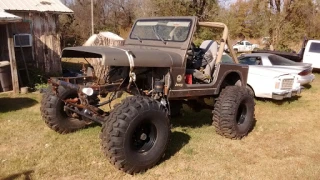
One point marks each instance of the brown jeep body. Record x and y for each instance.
(172, 55)
(136, 132)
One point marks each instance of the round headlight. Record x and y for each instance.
(87, 91)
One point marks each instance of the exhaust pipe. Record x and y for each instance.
(64, 84)
(86, 90)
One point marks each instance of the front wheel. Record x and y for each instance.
(54, 114)
(136, 134)
(233, 114)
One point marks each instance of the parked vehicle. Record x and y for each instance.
(302, 70)
(309, 53)
(292, 56)
(276, 84)
(152, 67)
(244, 46)
(268, 83)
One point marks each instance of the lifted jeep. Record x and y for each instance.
(155, 66)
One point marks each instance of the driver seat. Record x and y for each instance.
(212, 47)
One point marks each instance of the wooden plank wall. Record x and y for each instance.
(46, 48)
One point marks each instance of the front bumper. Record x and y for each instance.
(282, 94)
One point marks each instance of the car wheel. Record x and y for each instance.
(233, 114)
(54, 114)
(135, 134)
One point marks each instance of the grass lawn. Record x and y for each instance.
(284, 144)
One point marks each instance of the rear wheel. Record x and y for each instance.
(136, 134)
(233, 114)
(54, 115)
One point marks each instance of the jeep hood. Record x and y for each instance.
(120, 56)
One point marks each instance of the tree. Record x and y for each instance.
(285, 21)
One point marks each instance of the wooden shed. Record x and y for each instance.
(35, 37)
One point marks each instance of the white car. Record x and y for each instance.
(269, 83)
(302, 70)
(244, 46)
(311, 53)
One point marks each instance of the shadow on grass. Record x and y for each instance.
(25, 175)
(93, 125)
(307, 86)
(177, 141)
(316, 70)
(12, 104)
(280, 102)
(193, 119)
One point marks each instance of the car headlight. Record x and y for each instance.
(87, 91)
(277, 84)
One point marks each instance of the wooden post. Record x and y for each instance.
(13, 63)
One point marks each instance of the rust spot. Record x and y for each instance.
(75, 100)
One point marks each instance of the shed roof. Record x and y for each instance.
(35, 5)
(7, 17)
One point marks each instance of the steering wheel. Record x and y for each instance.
(191, 50)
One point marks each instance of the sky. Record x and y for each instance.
(227, 3)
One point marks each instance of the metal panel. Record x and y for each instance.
(7, 17)
(34, 5)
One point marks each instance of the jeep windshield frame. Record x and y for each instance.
(165, 30)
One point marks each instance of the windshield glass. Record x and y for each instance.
(278, 60)
(162, 30)
(314, 47)
(249, 60)
(226, 58)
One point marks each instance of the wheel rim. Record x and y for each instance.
(144, 137)
(241, 114)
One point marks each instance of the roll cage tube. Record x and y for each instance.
(223, 41)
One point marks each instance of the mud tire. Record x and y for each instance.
(136, 134)
(53, 114)
(233, 114)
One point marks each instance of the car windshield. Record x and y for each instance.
(314, 47)
(278, 60)
(248, 60)
(226, 58)
(161, 30)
